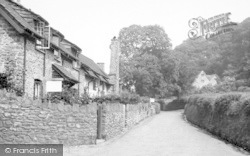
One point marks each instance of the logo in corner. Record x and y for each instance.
(211, 27)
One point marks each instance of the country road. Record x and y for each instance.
(166, 134)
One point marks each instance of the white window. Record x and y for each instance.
(56, 53)
(75, 64)
(37, 89)
(39, 27)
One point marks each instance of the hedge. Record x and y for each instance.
(225, 115)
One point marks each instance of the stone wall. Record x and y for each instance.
(34, 67)
(113, 122)
(11, 48)
(26, 121)
(118, 118)
(31, 122)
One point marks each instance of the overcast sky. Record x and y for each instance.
(92, 23)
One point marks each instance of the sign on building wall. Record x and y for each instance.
(54, 86)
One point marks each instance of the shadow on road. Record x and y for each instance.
(175, 104)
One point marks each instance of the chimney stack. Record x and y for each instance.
(101, 66)
(114, 64)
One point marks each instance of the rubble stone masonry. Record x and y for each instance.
(11, 48)
(31, 122)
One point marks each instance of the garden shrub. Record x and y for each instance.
(145, 99)
(226, 115)
(69, 96)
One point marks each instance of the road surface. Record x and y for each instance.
(166, 134)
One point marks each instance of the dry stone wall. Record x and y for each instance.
(31, 122)
(26, 121)
(118, 118)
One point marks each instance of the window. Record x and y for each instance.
(39, 27)
(74, 51)
(37, 89)
(55, 40)
(103, 86)
(56, 53)
(94, 85)
(76, 65)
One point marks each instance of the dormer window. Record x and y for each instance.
(74, 51)
(55, 40)
(39, 27)
(75, 64)
(56, 53)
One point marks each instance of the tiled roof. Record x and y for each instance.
(19, 6)
(210, 77)
(64, 73)
(92, 74)
(13, 9)
(92, 65)
(54, 31)
(66, 51)
(78, 48)
(17, 16)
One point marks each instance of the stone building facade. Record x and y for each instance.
(23, 38)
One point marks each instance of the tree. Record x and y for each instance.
(145, 52)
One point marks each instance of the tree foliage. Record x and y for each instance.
(146, 61)
(149, 63)
(225, 55)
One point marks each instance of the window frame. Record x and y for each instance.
(37, 89)
(94, 84)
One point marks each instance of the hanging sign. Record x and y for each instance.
(54, 86)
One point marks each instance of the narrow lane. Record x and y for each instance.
(166, 134)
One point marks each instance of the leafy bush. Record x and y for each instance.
(131, 98)
(225, 114)
(125, 98)
(69, 96)
(85, 99)
(145, 99)
(244, 89)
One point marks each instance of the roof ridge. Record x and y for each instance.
(17, 16)
(91, 64)
(29, 10)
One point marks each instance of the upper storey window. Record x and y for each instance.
(39, 27)
(55, 40)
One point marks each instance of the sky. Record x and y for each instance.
(91, 24)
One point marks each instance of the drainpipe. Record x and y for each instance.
(24, 62)
(79, 82)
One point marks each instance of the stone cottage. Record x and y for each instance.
(204, 80)
(39, 54)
